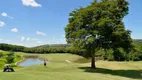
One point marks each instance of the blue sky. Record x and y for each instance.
(38, 22)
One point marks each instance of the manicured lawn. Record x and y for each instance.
(58, 69)
(58, 57)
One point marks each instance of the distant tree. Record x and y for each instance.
(97, 26)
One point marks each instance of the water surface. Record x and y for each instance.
(31, 62)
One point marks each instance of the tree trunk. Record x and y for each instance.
(93, 62)
(105, 57)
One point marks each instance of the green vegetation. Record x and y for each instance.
(101, 54)
(95, 34)
(100, 26)
(58, 57)
(74, 71)
(78, 69)
(9, 58)
(8, 47)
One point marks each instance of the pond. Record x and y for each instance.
(31, 62)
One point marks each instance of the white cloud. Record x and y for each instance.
(31, 3)
(22, 38)
(2, 24)
(34, 39)
(14, 30)
(5, 15)
(40, 33)
(39, 42)
(28, 39)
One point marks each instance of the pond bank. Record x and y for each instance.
(17, 63)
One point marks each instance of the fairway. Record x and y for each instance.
(58, 69)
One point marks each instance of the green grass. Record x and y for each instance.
(74, 71)
(58, 69)
(82, 60)
(58, 57)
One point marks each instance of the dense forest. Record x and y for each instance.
(135, 54)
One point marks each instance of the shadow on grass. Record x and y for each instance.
(134, 74)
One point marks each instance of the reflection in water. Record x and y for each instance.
(31, 62)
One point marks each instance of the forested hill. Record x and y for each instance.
(4, 46)
(52, 48)
(10, 47)
(67, 45)
(52, 45)
(137, 40)
(65, 48)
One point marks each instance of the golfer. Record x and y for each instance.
(45, 63)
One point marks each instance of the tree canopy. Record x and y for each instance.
(99, 25)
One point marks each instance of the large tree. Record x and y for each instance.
(99, 25)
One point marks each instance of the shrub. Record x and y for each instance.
(1, 54)
(109, 55)
(10, 54)
(18, 56)
(9, 59)
(119, 54)
(137, 57)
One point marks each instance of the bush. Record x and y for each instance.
(119, 54)
(9, 59)
(140, 56)
(1, 54)
(10, 54)
(137, 57)
(18, 56)
(109, 55)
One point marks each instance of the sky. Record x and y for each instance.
(38, 22)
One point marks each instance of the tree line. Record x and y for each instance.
(44, 49)
(135, 55)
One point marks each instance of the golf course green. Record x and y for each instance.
(59, 69)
